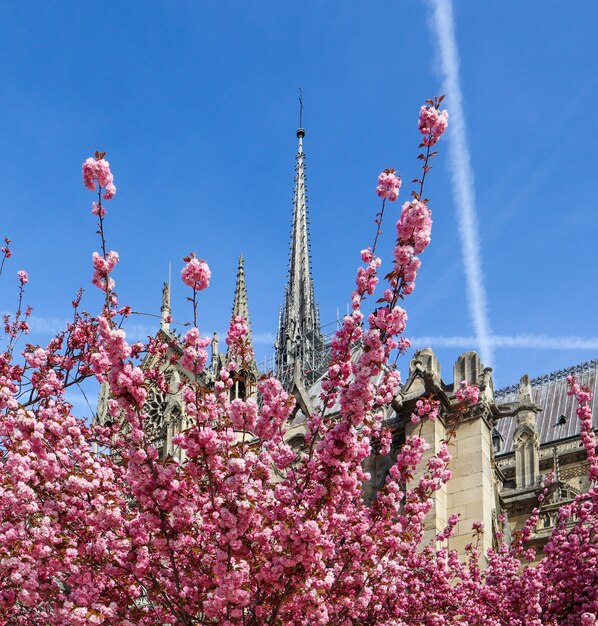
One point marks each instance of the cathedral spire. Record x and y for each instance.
(299, 340)
(245, 380)
(240, 304)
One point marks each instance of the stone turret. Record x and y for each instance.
(526, 438)
(426, 361)
(165, 310)
(468, 367)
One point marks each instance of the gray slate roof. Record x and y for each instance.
(550, 392)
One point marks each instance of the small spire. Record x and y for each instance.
(247, 386)
(240, 302)
(165, 309)
(240, 305)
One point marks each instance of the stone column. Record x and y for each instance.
(471, 489)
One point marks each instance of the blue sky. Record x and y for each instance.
(196, 106)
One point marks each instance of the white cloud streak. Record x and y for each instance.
(462, 177)
(47, 325)
(537, 342)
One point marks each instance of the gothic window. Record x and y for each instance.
(526, 458)
(155, 424)
(237, 391)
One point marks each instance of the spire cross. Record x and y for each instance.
(300, 107)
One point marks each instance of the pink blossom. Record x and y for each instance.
(366, 255)
(425, 407)
(103, 266)
(432, 124)
(196, 274)
(389, 184)
(110, 191)
(97, 170)
(467, 393)
(98, 209)
(194, 355)
(5, 249)
(23, 277)
(89, 174)
(103, 173)
(415, 225)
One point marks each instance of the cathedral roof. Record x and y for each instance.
(558, 419)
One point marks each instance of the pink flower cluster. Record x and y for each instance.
(393, 321)
(389, 184)
(196, 274)
(426, 407)
(102, 268)
(478, 527)
(366, 279)
(469, 394)
(432, 124)
(98, 170)
(6, 251)
(584, 413)
(194, 355)
(414, 226)
(23, 277)
(414, 229)
(237, 331)
(240, 348)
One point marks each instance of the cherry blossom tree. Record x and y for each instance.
(247, 529)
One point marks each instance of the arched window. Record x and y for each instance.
(527, 468)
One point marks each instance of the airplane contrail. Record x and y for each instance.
(529, 341)
(462, 177)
